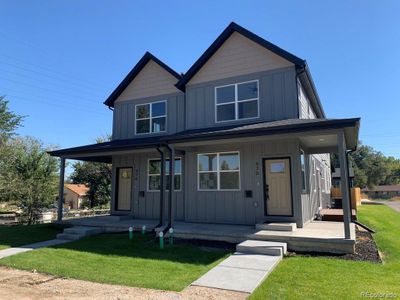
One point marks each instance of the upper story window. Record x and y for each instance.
(237, 101)
(151, 117)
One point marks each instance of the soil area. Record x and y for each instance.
(365, 249)
(16, 284)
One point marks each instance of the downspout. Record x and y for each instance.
(162, 187)
(171, 183)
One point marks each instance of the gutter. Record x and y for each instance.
(305, 69)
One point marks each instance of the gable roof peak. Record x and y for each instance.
(134, 72)
(221, 39)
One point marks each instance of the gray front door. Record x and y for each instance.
(278, 191)
(124, 188)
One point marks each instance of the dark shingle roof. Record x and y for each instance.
(226, 132)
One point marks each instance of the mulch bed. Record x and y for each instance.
(365, 249)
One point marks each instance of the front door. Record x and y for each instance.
(278, 191)
(124, 188)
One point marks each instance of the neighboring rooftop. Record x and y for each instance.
(336, 174)
(383, 188)
(79, 189)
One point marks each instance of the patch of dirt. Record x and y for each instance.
(17, 284)
(365, 249)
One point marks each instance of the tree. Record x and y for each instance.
(9, 121)
(371, 167)
(28, 178)
(97, 176)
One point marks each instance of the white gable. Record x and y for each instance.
(152, 80)
(238, 56)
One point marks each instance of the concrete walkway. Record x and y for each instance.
(239, 272)
(393, 204)
(16, 250)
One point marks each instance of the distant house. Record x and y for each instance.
(336, 177)
(74, 195)
(383, 191)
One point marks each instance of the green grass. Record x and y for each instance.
(330, 278)
(117, 260)
(18, 235)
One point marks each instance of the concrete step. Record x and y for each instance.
(262, 247)
(277, 226)
(83, 230)
(69, 236)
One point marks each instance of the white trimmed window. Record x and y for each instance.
(154, 174)
(237, 101)
(151, 117)
(303, 172)
(218, 171)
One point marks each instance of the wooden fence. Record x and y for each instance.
(355, 196)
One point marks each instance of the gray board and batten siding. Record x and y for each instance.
(124, 116)
(146, 204)
(277, 98)
(229, 207)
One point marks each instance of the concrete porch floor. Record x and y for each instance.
(113, 223)
(316, 236)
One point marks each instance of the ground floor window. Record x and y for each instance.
(218, 171)
(303, 172)
(154, 174)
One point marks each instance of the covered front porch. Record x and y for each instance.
(255, 142)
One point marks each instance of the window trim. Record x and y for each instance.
(150, 118)
(148, 175)
(218, 171)
(236, 101)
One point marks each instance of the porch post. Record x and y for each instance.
(171, 182)
(344, 179)
(61, 190)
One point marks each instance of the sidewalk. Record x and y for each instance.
(16, 250)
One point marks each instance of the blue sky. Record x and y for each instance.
(59, 60)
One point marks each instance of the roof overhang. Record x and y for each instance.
(315, 134)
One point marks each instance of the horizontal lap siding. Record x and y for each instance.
(277, 98)
(232, 206)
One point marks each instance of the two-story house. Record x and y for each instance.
(241, 138)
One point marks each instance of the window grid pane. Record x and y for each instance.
(245, 103)
(151, 117)
(154, 174)
(220, 179)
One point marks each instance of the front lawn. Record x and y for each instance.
(18, 235)
(115, 259)
(330, 278)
